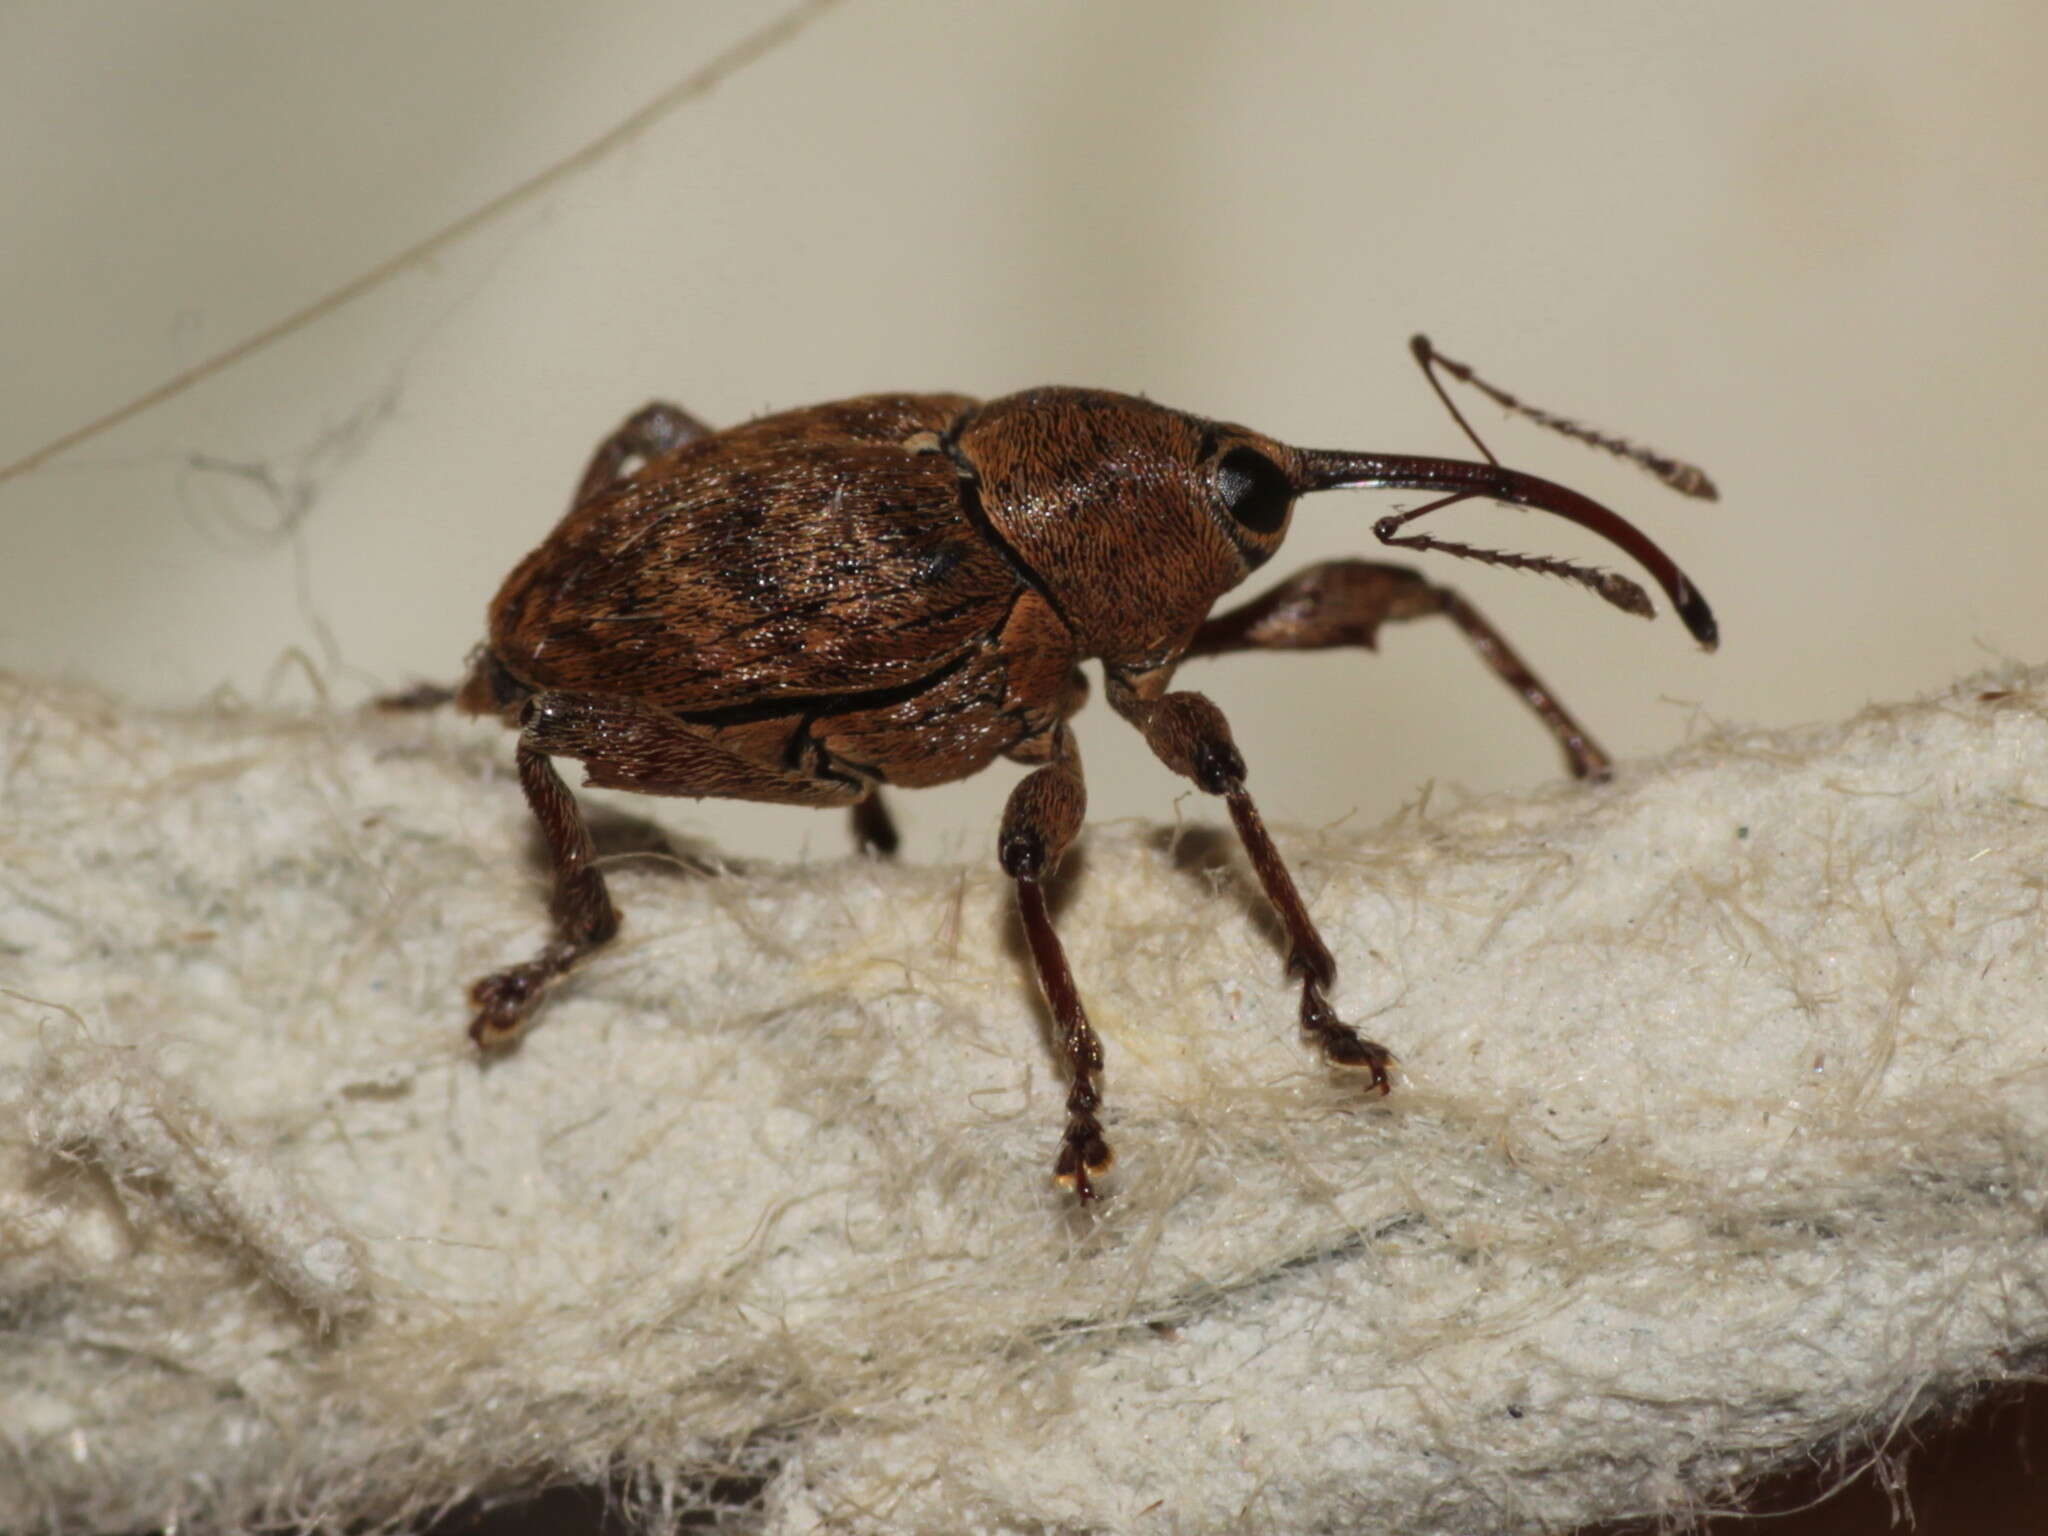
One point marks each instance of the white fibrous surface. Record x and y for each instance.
(1718, 1137)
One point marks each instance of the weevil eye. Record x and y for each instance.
(1254, 490)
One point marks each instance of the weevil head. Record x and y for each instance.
(1133, 518)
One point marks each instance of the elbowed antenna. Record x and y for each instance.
(1686, 479)
(1336, 469)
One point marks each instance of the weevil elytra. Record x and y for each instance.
(899, 589)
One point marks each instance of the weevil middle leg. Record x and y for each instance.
(874, 829)
(1043, 815)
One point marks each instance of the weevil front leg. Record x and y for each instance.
(1344, 602)
(1191, 737)
(1042, 817)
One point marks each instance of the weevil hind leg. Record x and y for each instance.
(581, 907)
(655, 429)
(623, 745)
(1189, 734)
(1344, 602)
(1039, 823)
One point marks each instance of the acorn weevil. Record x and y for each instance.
(899, 589)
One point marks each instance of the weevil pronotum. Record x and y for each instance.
(899, 589)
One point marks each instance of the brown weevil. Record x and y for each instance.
(899, 589)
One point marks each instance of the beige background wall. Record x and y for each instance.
(1801, 243)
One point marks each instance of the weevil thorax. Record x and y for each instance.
(1131, 517)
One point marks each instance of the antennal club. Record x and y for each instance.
(1686, 479)
(1616, 588)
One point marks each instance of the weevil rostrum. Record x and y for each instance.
(900, 589)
